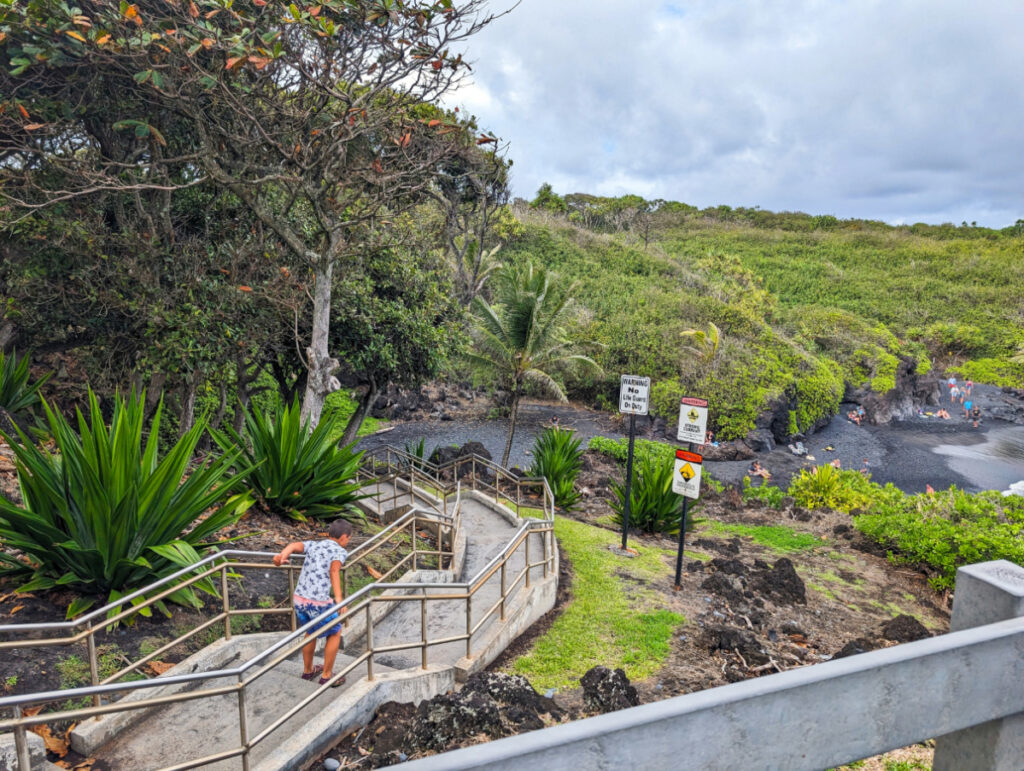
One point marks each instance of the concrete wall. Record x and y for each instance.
(966, 683)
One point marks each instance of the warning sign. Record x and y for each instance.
(693, 420)
(634, 394)
(686, 474)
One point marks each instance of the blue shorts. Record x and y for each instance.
(307, 610)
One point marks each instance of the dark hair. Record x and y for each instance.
(340, 527)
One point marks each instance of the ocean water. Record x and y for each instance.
(994, 463)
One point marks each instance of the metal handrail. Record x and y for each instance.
(359, 602)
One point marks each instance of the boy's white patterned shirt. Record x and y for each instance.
(315, 579)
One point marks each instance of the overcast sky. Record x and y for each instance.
(904, 111)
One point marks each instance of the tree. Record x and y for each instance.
(471, 190)
(702, 347)
(315, 118)
(521, 339)
(548, 200)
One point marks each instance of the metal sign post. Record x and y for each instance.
(686, 482)
(634, 393)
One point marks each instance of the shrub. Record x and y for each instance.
(295, 472)
(826, 487)
(654, 508)
(770, 494)
(105, 513)
(17, 394)
(558, 458)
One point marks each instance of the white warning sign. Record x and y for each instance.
(693, 420)
(686, 474)
(634, 394)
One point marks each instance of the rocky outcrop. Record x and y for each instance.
(902, 401)
(607, 690)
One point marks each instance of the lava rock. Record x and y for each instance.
(728, 638)
(725, 586)
(731, 566)
(782, 583)
(904, 629)
(605, 690)
(859, 645)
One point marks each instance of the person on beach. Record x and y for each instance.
(952, 381)
(954, 394)
(975, 415)
(836, 463)
(757, 470)
(319, 579)
(942, 414)
(929, 490)
(968, 387)
(967, 408)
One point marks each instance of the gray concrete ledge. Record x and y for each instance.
(808, 718)
(36, 754)
(356, 706)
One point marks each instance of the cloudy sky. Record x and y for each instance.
(904, 110)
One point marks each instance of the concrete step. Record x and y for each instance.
(194, 729)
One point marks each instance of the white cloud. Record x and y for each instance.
(900, 111)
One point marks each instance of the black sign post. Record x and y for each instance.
(682, 535)
(629, 479)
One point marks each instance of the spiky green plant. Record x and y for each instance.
(104, 512)
(17, 394)
(293, 471)
(654, 508)
(558, 458)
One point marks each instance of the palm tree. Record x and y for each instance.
(521, 338)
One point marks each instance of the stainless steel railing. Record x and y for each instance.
(396, 465)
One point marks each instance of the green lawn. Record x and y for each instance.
(603, 624)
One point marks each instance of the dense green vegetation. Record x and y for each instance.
(805, 305)
(941, 530)
(105, 512)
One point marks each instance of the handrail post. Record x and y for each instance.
(243, 732)
(21, 743)
(423, 627)
(472, 470)
(225, 601)
(94, 668)
(412, 534)
(291, 592)
(519, 498)
(528, 534)
(469, 624)
(503, 563)
(369, 643)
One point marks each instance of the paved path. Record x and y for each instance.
(205, 726)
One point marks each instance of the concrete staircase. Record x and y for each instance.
(164, 736)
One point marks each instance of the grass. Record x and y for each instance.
(822, 590)
(601, 625)
(343, 402)
(778, 538)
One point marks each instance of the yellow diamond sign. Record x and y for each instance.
(693, 415)
(687, 472)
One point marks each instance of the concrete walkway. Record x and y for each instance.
(167, 735)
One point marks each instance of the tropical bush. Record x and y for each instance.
(654, 508)
(947, 529)
(558, 458)
(292, 471)
(17, 394)
(770, 494)
(826, 487)
(104, 512)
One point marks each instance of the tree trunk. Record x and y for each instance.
(188, 406)
(511, 426)
(321, 365)
(362, 410)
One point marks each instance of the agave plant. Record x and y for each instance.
(654, 508)
(104, 512)
(16, 393)
(293, 471)
(558, 458)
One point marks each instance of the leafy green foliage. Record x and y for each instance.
(293, 471)
(777, 537)
(769, 494)
(106, 513)
(947, 529)
(558, 458)
(826, 487)
(654, 508)
(17, 394)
